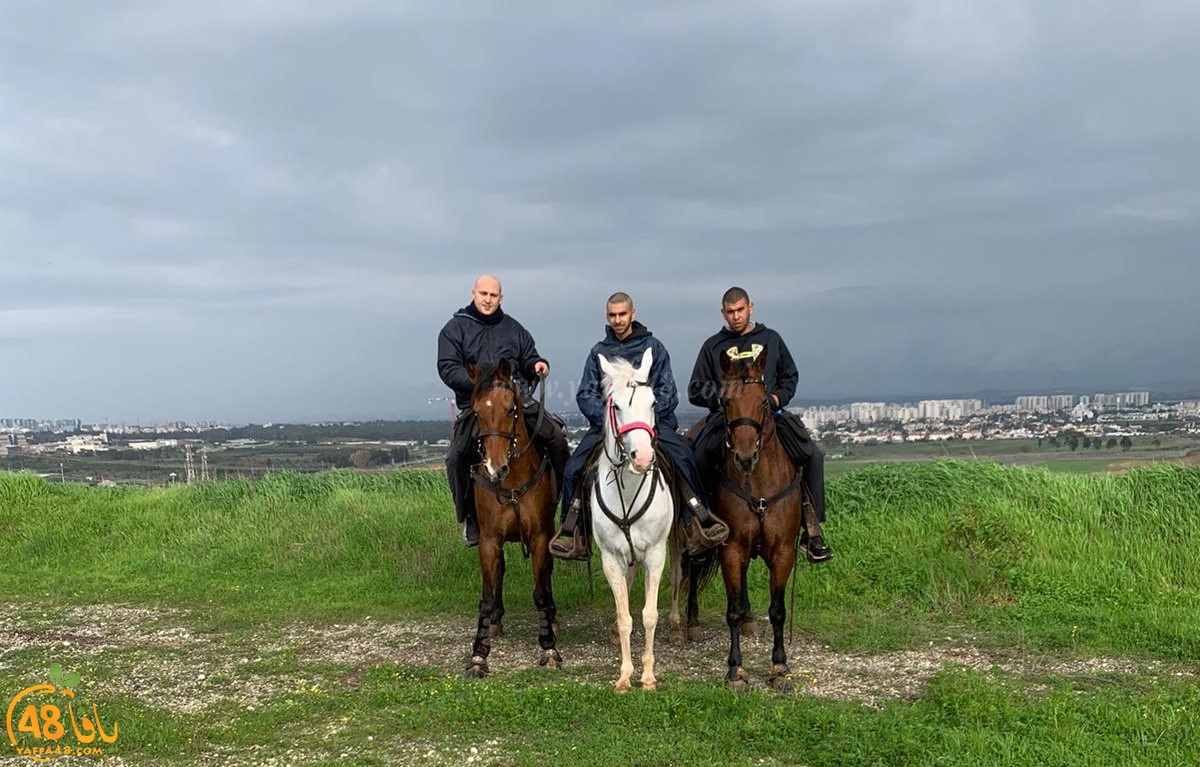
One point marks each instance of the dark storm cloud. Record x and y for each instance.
(265, 211)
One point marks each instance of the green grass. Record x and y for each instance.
(1023, 563)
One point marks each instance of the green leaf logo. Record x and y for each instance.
(59, 679)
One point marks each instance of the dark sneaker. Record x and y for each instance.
(471, 533)
(698, 538)
(816, 549)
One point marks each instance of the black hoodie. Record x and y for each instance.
(781, 376)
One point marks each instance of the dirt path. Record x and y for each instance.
(155, 656)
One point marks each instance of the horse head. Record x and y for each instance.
(747, 405)
(496, 401)
(630, 421)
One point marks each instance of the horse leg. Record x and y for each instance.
(693, 601)
(653, 567)
(614, 573)
(733, 566)
(490, 570)
(543, 601)
(781, 568)
(750, 625)
(497, 627)
(677, 637)
(614, 634)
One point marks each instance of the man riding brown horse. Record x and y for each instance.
(478, 333)
(781, 377)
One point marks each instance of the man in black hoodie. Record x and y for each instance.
(481, 332)
(626, 338)
(781, 377)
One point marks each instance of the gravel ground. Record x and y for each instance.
(169, 664)
(153, 656)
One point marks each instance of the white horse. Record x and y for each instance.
(632, 507)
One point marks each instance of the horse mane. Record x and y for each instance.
(623, 373)
(485, 374)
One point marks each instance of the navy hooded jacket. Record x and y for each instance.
(590, 397)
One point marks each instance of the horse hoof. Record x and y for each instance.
(693, 634)
(621, 686)
(475, 671)
(780, 678)
(750, 628)
(551, 659)
(737, 679)
(496, 629)
(677, 638)
(650, 686)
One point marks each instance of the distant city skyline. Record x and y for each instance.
(1132, 397)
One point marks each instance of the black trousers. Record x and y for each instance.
(804, 453)
(463, 453)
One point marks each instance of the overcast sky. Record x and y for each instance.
(264, 210)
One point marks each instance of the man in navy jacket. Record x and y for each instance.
(481, 332)
(626, 338)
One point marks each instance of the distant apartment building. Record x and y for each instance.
(867, 412)
(78, 443)
(1046, 403)
(816, 417)
(947, 409)
(1121, 400)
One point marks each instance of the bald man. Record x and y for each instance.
(477, 333)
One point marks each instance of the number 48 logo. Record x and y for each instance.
(47, 722)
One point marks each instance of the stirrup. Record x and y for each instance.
(574, 548)
(698, 538)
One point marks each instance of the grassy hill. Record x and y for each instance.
(1005, 562)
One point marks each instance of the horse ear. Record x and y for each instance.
(605, 367)
(727, 363)
(503, 369)
(760, 361)
(647, 361)
(472, 371)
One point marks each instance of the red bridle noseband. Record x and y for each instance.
(620, 430)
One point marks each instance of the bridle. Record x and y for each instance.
(517, 412)
(620, 430)
(512, 495)
(758, 505)
(759, 425)
(629, 515)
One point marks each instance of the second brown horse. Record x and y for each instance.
(761, 498)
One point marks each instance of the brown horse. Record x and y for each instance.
(761, 498)
(514, 501)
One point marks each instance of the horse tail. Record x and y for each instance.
(701, 568)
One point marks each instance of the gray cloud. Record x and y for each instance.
(255, 211)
